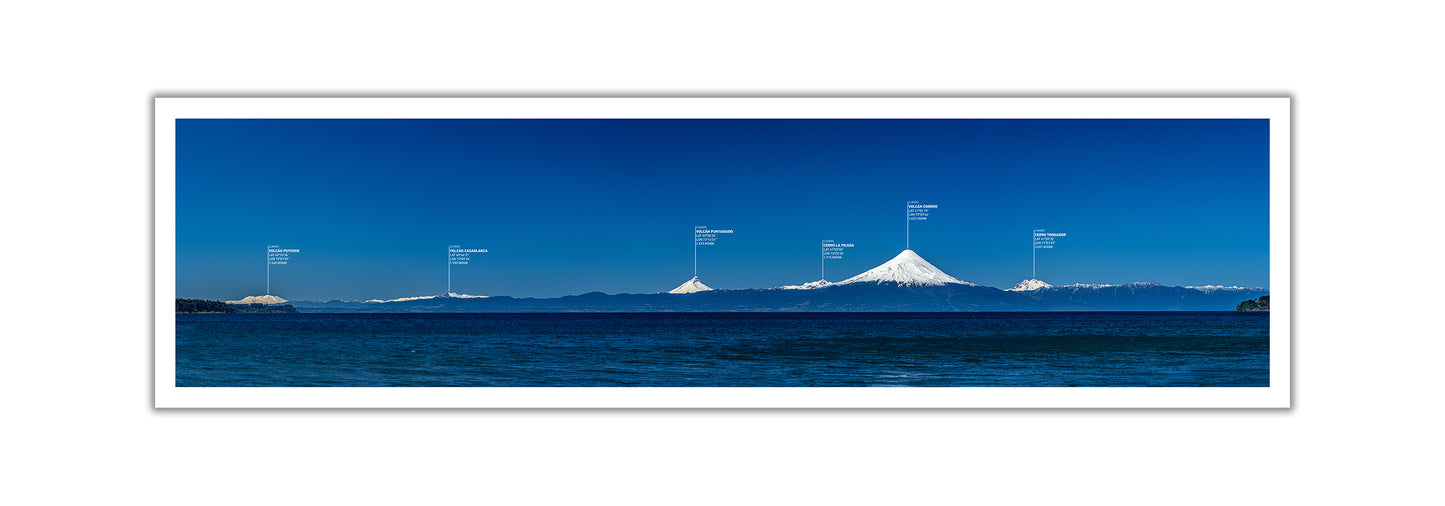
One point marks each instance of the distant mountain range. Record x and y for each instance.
(215, 306)
(1148, 297)
(838, 297)
(905, 283)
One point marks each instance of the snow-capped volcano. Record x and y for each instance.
(1029, 285)
(452, 295)
(691, 286)
(259, 299)
(906, 269)
(822, 283)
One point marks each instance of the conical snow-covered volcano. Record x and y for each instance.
(691, 286)
(1029, 285)
(906, 269)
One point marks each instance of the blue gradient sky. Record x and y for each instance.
(574, 206)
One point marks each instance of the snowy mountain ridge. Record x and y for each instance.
(1136, 284)
(1213, 288)
(258, 299)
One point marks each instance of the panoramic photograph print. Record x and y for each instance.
(572, 253)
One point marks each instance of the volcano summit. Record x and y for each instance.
(906, 269)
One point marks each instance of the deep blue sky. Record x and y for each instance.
(574, 206)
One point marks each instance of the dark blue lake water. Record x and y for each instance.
(724, 349)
